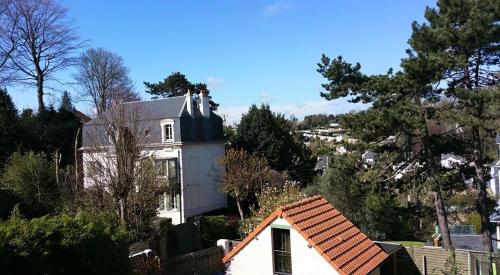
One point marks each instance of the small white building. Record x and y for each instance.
(369, 157)
(184, 138)
(307, 237)
(451, 160)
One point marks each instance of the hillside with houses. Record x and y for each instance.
(388, 168)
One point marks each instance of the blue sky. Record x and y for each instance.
(246, 51)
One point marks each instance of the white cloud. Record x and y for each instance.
(233, 114)
(213, 82)
(279, 7)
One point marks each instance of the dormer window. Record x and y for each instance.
(168, 132)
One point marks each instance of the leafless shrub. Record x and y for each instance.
(120, 175)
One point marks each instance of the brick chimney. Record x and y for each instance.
(204, 106)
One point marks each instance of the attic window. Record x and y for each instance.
(282, 255)
(168, 132)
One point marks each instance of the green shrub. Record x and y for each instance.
(213, 228)
(475, 219)
(31, 178)
(62, 244)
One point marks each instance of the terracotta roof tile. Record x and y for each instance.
(340, 243)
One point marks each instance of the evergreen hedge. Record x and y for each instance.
(63, 244)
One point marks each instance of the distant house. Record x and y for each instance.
(450, 160)
(307, 237)
(369, 157)
(184, 138)
(323, 163)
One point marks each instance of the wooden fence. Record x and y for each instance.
(433, 260)
(202, 262)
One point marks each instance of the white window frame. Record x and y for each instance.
(164, 126)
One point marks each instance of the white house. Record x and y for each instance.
(495, 172)
(184, 138)
(369, 157)
(450, 160)
(307, 237)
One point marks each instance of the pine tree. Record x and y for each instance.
(459, 46)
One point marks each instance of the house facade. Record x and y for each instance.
(307, 237)
(183, 137)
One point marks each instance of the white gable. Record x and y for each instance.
(257, 256)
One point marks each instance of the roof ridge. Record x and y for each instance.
(301, 202)
(155, 99)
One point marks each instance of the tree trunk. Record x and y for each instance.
(122, 212)
(481, 186)
(240, 210)
(39, 92)
(442, 219)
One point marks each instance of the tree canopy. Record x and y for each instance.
(271, 136)
(176, 84)
(458, 47)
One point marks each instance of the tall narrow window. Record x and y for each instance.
(167, 169)
(282, 255)
(168, 133)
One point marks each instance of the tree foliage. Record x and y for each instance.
(80, 244)
(270, 136)
(50, 131)
(9, 126)
(269, 199)
(31, 177)
(241, 173)
(319, 120)
(358, 195)
(459, 47)
(176, 84)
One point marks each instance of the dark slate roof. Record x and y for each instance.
(468, 242)
(389, 248)
(154, 109)
(323, 162)
(498, 138)
(195, 128)
(369, 155)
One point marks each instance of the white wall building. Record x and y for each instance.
(450, 160)
(184, 138)
(307, 237)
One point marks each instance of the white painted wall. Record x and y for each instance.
(495, 179)
(200, 185)
(197, 171)
(257, 256)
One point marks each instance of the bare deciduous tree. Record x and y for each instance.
(241, 173)
(46, 41)
(120, 174)
(104, 79)
(7, 41)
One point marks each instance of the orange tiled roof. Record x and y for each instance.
(340, 243)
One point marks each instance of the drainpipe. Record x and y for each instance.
(181, 175)
(498, 236)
